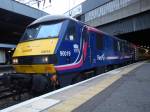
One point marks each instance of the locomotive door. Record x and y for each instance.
(71, 43)
(91, 47)
(85, 38)
(86, 35)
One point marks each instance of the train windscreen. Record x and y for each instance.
(42, 31)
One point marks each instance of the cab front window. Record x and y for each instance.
(42, 31)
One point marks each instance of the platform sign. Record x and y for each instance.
(75, 11)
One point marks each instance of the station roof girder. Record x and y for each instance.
(14, 17)
(22, 9)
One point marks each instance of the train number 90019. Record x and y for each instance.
(65, 53)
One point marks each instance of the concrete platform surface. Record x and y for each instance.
(131, 93)
(121, 90)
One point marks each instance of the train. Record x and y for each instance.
(56, 51)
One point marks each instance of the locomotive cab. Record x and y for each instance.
(49, 48)
(35, 52)
(44, 45)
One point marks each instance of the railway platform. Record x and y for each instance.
(125, 89)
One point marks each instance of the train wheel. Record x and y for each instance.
(40, 85)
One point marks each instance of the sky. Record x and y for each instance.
(56, 6)
(61, 6)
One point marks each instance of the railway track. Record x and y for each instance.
(5, 91)
(10, 96)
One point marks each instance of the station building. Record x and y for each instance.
(127, 19)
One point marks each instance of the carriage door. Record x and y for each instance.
(91, 46)
(85, 37)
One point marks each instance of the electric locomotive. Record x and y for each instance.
(58, 50)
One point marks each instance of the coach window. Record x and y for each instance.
(115, 45)
(71, 32)
(126, 47)
(99, 41)
(122, 47)
(118, 46)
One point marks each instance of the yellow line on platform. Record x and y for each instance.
(83, 96)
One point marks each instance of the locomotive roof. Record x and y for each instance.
(51, 18)
(63, 17)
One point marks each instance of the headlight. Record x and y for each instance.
(45, 59)
(15, 61)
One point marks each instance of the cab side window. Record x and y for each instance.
(71, 32)
(99, 41)
(85, 34)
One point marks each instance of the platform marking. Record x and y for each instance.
(38, 106)
(114, 72)
(80, 98)
(83, 96)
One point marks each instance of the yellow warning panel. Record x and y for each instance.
(36, 47)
